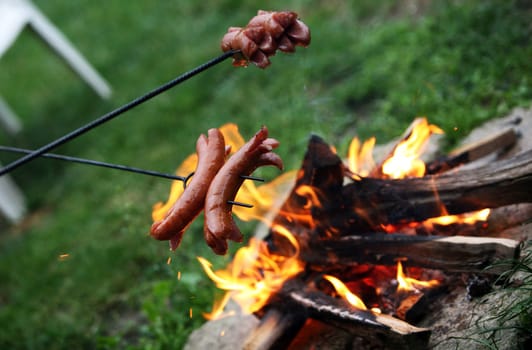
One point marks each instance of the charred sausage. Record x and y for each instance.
(219, 225)
(264, 35)
(211, 156)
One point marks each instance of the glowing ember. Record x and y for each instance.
(467, 218)
(63, 257)
(407, 284)
(445, 220)
(254, 274)
(345, 293)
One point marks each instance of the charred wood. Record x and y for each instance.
(366, 204)
(471, 152)
(504, 222)
(385, 331)
(279, 325)
(412, 308)
(280, 320)
(378, 202)
(453, 254)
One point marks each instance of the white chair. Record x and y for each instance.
(15, 15)
(12, 202)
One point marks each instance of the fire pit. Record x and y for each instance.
(361, 253)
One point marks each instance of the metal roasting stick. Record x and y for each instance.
(106, 117)
(95, 163)
(245, 205)
(253, 178)
(123, 168)
(42, 151)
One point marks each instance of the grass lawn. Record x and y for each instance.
(368, 71)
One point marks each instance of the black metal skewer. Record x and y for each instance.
(245, 205)
(124, 168)
(95, 163)
(106, 117)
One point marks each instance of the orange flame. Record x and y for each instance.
(360, 159)
(404, 162)
(345, 293)
(407, 284)
(310, 194)
(405, 158)
(466, 218)
(254, 274)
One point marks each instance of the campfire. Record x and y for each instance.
(354, 245)
(365, 245)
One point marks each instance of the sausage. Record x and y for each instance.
(211, 156)
(264, 35)
(219, 225)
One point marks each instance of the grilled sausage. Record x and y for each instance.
(264, 35)
(211, 156)
(219, 225)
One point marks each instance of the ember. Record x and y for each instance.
(407, 284)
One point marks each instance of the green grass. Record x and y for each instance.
(368, 71)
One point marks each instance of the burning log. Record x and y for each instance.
(502, 222)
(377, 328)
(453, 254)
(472, 152)
(367, 204)
(278, 327)
(288, 311)
(416, 199)
(412, 308)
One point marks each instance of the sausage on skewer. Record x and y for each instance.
(266, 33)
(211, 156)
(219, 225)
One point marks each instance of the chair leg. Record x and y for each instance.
(8, 119)
(12, 201)
(62, 46)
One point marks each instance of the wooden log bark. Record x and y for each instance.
(382, 330)
(286, 315)
(452, 254)
(277, 328)
(381, 202)
(495, 143)
(503, 222)
(366, 204)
